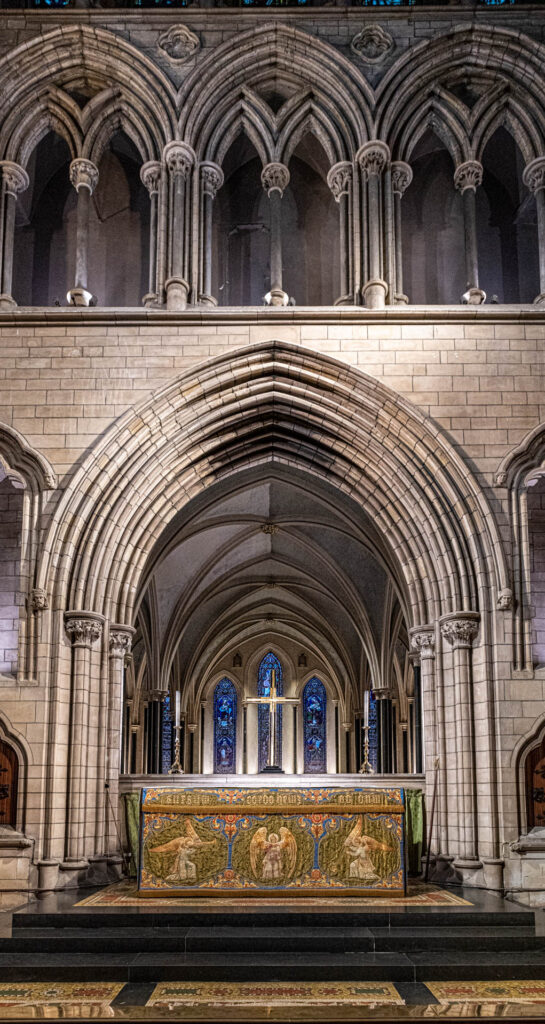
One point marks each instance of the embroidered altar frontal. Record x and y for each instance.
(272, 841)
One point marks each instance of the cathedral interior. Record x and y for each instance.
(272, 501)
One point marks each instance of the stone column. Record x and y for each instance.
(459, 630)
(534, 179)
(119, 645)
(83, 629)
(467, 178)
(339, 180)
(84, 178)
(275, 179)
(373, 159)
(150, 176)
(180, 160)
(14, 180)
(422, 640)
(402, 176)
(211, 179)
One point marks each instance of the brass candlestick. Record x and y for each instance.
(176, 767)
(367, 767)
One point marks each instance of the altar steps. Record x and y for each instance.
(490, 940)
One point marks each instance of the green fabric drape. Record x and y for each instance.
(414, 829)
(132, 820)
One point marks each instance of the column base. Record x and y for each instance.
(401, 300)
(115, 867)
(74, 872)
(476, 296)
(150, 300)
(98, 872)
(177, 293)
(48, 877)
(374, 293)
(276, 297)
(7, 301)
(207, 300)
(80, 297)
(538, 301)
(493, 873)
(444, 873)
(468, 871)
(344, 300)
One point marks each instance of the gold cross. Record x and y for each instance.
(271, 701)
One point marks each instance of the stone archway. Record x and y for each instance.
(285, 406)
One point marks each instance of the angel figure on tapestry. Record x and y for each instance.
(273, 856)
(184, 847)
(360, 849)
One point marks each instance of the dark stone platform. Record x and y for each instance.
(54, 940)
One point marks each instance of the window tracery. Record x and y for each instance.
(314, 726)
(225, 727)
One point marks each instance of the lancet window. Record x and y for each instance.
(314, 726)
(225, 727)
(264, 675)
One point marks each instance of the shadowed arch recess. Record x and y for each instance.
(278, 403)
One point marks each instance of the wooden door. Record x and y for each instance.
(9, 771)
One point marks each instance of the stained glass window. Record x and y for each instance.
(373, 732)
(314, 726)
(167, 737)
(225, 727)
(269, 662)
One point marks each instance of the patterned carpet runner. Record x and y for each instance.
(124, 894)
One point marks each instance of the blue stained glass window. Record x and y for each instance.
(269, 662)
(225, 727)
(314, 726)
(167, 745)
(373, 732)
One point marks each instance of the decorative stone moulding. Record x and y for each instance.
(339, 179)
(179, 43)
(505, 600)
(275, 178)
(211, 177)
(38, 600)
(83, 174)
(373, 44)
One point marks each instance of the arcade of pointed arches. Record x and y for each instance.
(116, 187)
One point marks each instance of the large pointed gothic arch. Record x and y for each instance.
(282, 404)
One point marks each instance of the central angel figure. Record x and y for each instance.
(273, 856)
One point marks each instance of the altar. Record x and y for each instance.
(279, 840)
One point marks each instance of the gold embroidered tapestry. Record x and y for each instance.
(272, 841)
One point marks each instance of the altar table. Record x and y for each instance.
(272, 841)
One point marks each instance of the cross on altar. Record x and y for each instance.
(272, 700)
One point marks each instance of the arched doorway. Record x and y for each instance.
(9, 778)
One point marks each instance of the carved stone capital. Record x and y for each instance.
(150, 176)
(38, 600)
(339, 179)
(211, 178)
(275, 178)
(120, 640)
(468, 175)
(373, 158)
(460, 629)
(402, 175)
(15, 178)
(83, 174)
(179, 158)
(423, 642)
(83, 628)
(533, 175)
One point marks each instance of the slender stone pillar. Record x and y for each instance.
(422, 640)
(119, 643)
(211, 179)
(84, 178)
(459, 630)
(373, 158)
(467, 178)
(275, 179)
(150, 175)
(339, 180)
(534, 179)
(84, 629)
(14, 180)
(180, 160)
(402, 176)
